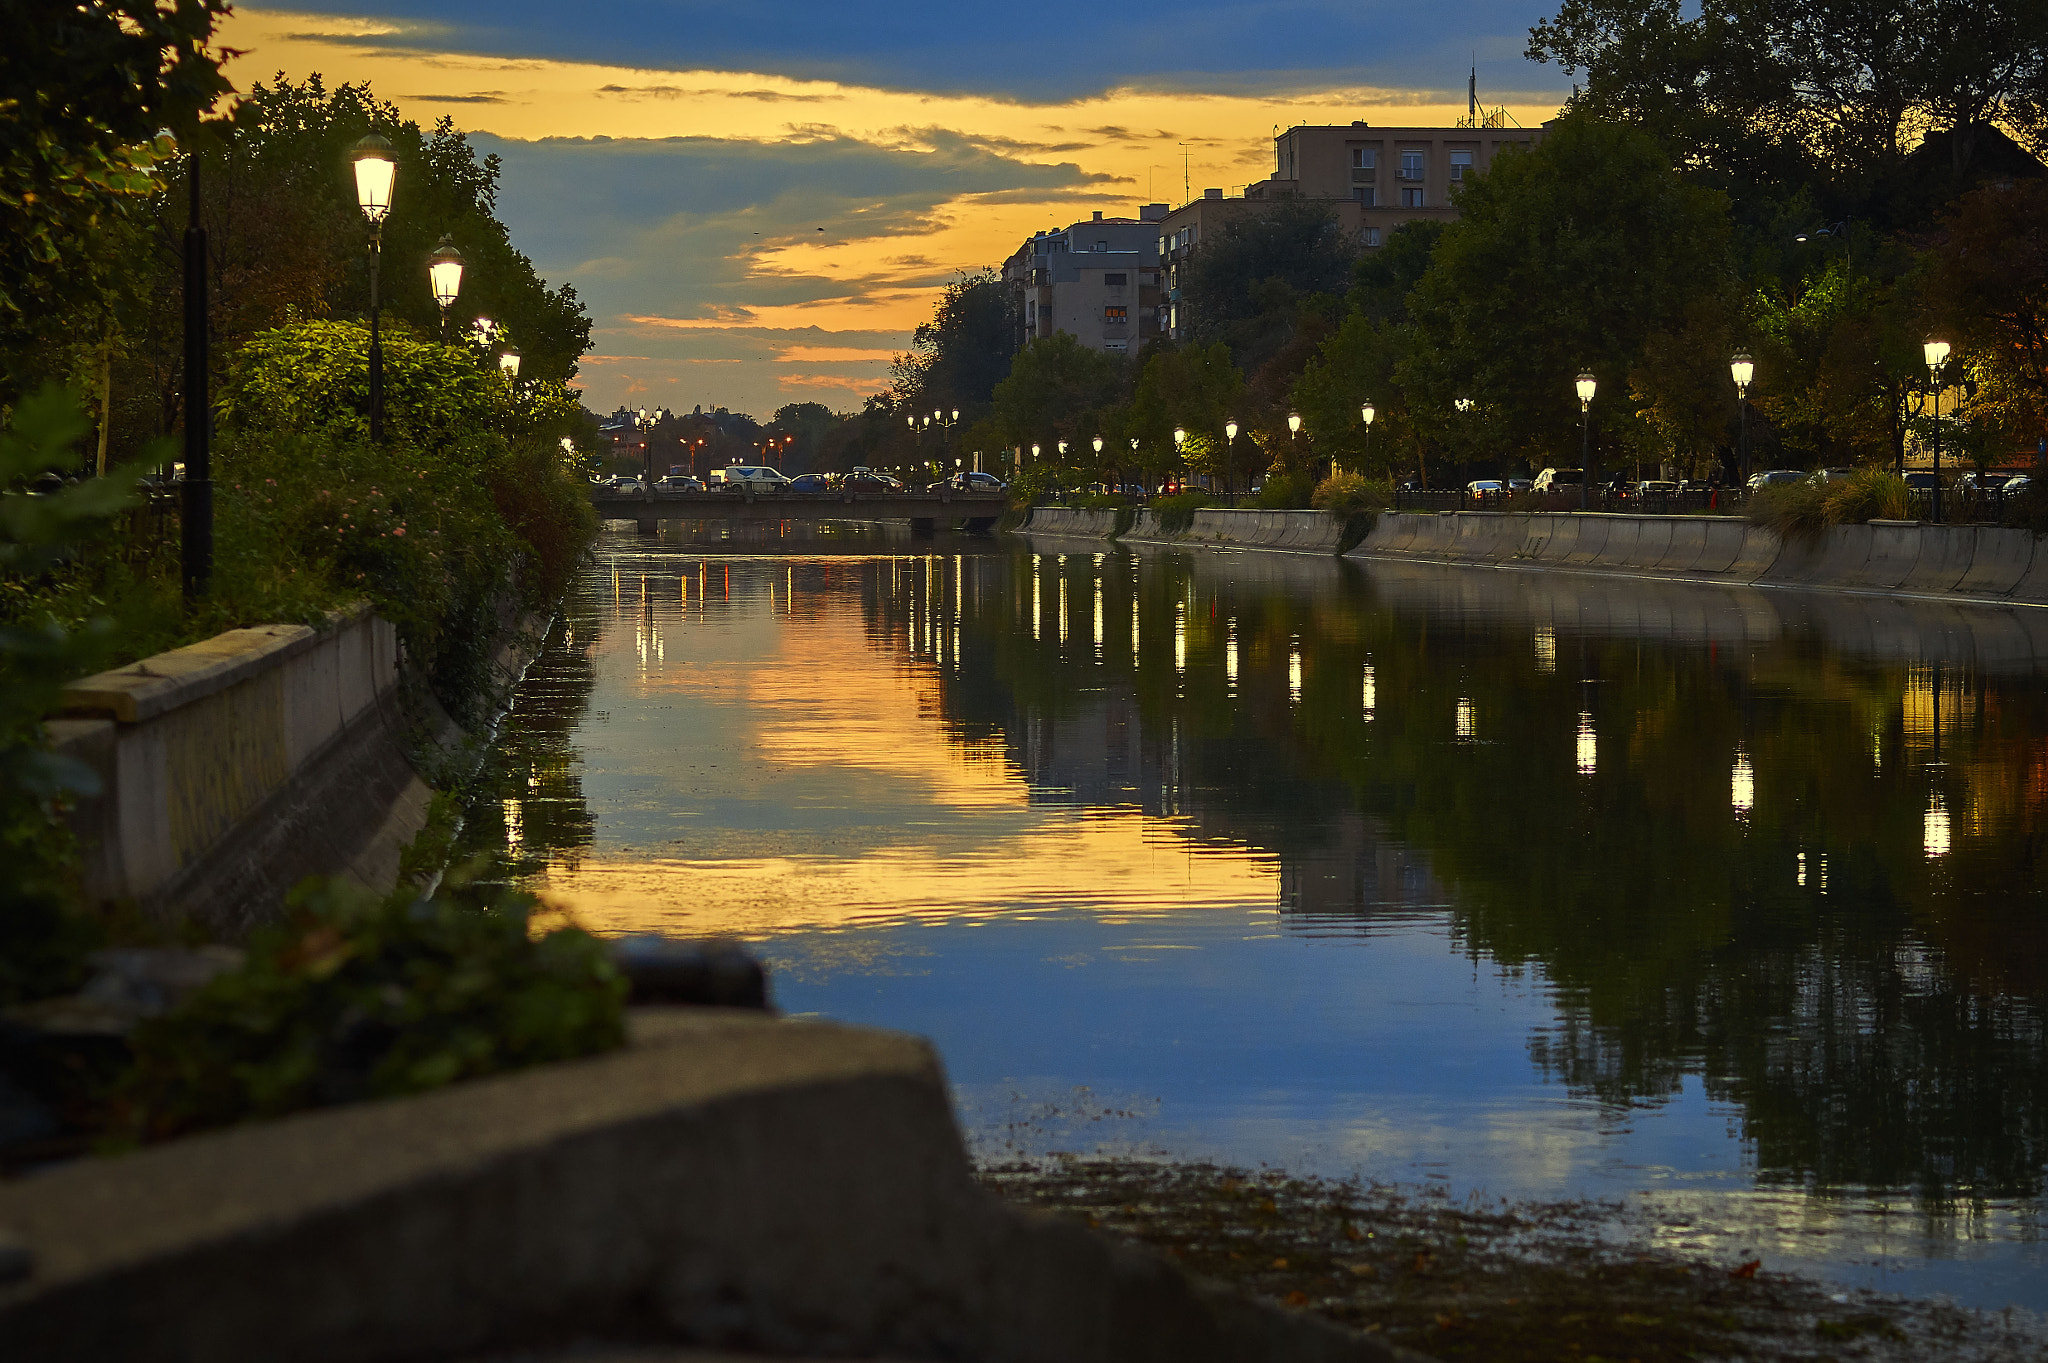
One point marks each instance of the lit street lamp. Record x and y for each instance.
(1586, 385)
(444, 271)
(508, 363)
(375, 169)
(1366, 413)
(1937, 355)
(1742, 369)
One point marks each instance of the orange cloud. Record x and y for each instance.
(832, 354)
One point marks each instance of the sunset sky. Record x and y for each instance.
(759, 202)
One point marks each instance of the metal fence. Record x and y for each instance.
(1957, 505)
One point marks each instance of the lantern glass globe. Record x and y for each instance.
(1586, 384)
(444, 271)
(1097, 442)
(1367, 413)
(1180, 435)
(376, 167)
(1293, 422)
(508, 361)
(1936, 352)
(1230, 430)
(1742, 369)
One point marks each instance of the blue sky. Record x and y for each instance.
(676, 160)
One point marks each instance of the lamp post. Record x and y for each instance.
(444, 272)
(645, 420)
(508, 364)
(195, 542)
(1586, 385)
(375, 169)
(1936, 352)
(1742, 369)
(1230, 457)
(1366, 413)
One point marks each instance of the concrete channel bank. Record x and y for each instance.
(230, 769)
(730, 1179)
(1964, 563)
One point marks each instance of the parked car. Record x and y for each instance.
(1920, 480)
(1982, 482)
(1518, 484)
(1775, 478)
(678, 482)
(1657, 487)
(1485, 487)
(810, 482)
(866, 482)
(1822, 477)
(972, 481)
(623, 486)
(1555, 479)
(749, 478)
(2017, 484)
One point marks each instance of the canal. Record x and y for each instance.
(1724, 903)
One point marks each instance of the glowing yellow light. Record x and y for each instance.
(1935, 834)
(1588, 746)
(1742, 784)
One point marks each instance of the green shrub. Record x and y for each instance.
(354, 997)
(1285, 492)
(1793, 510)
(1349, 494)
(42, 942)
(1176, 514)
(1867, 495)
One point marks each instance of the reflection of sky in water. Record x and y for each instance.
(762, 757)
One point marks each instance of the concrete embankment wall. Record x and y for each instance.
(1967, 562)
(231, 769)
(1302, 532)
(791, 1188)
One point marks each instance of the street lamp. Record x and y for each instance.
(444, 272)
(1366, 412)
(1742, 369)
(1586, 385)
(1230, 459)
(1937, 355)
(508, 363)
(375, 169)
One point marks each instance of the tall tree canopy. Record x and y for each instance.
(957, 358)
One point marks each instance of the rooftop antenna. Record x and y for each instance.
(1186, 194)
(1472, 92)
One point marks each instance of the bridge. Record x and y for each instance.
(924, 510)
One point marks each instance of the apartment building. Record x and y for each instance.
(1096, 280)
(1375, 179)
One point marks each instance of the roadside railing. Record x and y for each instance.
(1690, 502)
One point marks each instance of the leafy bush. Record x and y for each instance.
(353, 997)
(1349, 494)
(1867, 495)
(1793, 510)
(1176, 514)
(42, 945)
(1285, 492)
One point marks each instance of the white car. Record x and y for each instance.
(749, 478)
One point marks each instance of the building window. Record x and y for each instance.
(1461, 164)
(1411, 165)
(1117, 347)
(1371, 236)
(1102, 246)
(1114, 281)
(1366, 195)
(1117, 316)
(1364, 165)
(1411, 198)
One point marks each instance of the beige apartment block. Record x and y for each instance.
(1098, 281)
(1375, 179)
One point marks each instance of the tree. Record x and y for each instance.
(1772, 96)
(1055, 382)
(1990, 271)
(957, 358)
(85, 91)
(1249, 283)
(1570, 256)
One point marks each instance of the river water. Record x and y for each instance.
(1725, 903)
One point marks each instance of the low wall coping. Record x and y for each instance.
(163, 682)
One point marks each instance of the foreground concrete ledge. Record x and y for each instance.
(729, 1180)
(164, 681)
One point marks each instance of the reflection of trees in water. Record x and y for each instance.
(527, 800)
(1876, 1010)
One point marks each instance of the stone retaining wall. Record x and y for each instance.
(1971, 562)
(790, 1188)
(1302, 532)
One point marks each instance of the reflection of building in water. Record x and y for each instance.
(1358, 877)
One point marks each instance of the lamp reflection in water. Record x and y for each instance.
(1230, 655)
(1063, 606)
(1294, 670)
(1371, 694)
(1742, 784)
(1588, 747)
(1468, 720)
(1546, 649)
(1935, 835)
(1098, 617)
(1037, 604)
(1180, 638)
